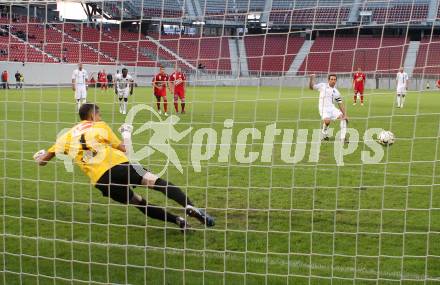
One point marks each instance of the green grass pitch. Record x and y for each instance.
(277, 223)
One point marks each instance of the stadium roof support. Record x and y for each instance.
(91, 8)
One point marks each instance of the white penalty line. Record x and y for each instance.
(298, 265)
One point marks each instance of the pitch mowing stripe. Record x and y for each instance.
(299, 265)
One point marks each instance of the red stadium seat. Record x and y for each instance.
(346, 54)
(271, 53)
(428, 60)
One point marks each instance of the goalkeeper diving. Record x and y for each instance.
(102, 156)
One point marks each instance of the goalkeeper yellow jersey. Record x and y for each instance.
(92, 146)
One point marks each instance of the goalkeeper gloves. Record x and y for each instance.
(126, 129)
(39, 155)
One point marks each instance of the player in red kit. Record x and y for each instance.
(102, 80)
(177, 87)
(358, 86)
(160, 82)
(438, 83)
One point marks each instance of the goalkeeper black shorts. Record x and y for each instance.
(117, 182)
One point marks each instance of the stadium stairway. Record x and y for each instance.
(411, 57)
(162, 61)
(82, 43)
(34, 47)
(175, 55)
(299, 58)
(266, 11)
(233, 56)
(239, 65)
(354, 12)
(432, 10)
(190, 8)
(134, 50)
(128, 5)
(428, 61)
(244, 70)
(197, 7)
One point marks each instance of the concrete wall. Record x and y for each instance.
(344, 81)
(60, 74)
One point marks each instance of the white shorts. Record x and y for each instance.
(331, 113)
(80, 92)
(123, 93)
(401, 90)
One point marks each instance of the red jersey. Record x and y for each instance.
(5, 76)
(178, 78)
(102, 77)
(161, 81)
(438, 83)
(359, 79)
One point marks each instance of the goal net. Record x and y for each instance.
(290, 206)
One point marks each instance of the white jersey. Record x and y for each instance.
(80, 77)
(402, 78)
(327, 96)
(123, 83)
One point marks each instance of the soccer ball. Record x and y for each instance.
(386, 138)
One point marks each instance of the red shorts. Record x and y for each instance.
(160, 94)
(179, 93)
(359, 89)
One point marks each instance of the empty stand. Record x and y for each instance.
(399, 13)
(212, 52)
(161, 9)
(306, 16)
(348, 53)
(270, 53)
(428, 59)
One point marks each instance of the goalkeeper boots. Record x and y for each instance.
(200, 215)
(183, 224)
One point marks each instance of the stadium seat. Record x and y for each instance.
(370, 53)
(428, 60)
(274, 55)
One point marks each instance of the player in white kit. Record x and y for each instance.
(328, 94)
(123, 88)
(402, 86)
(79, 85)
